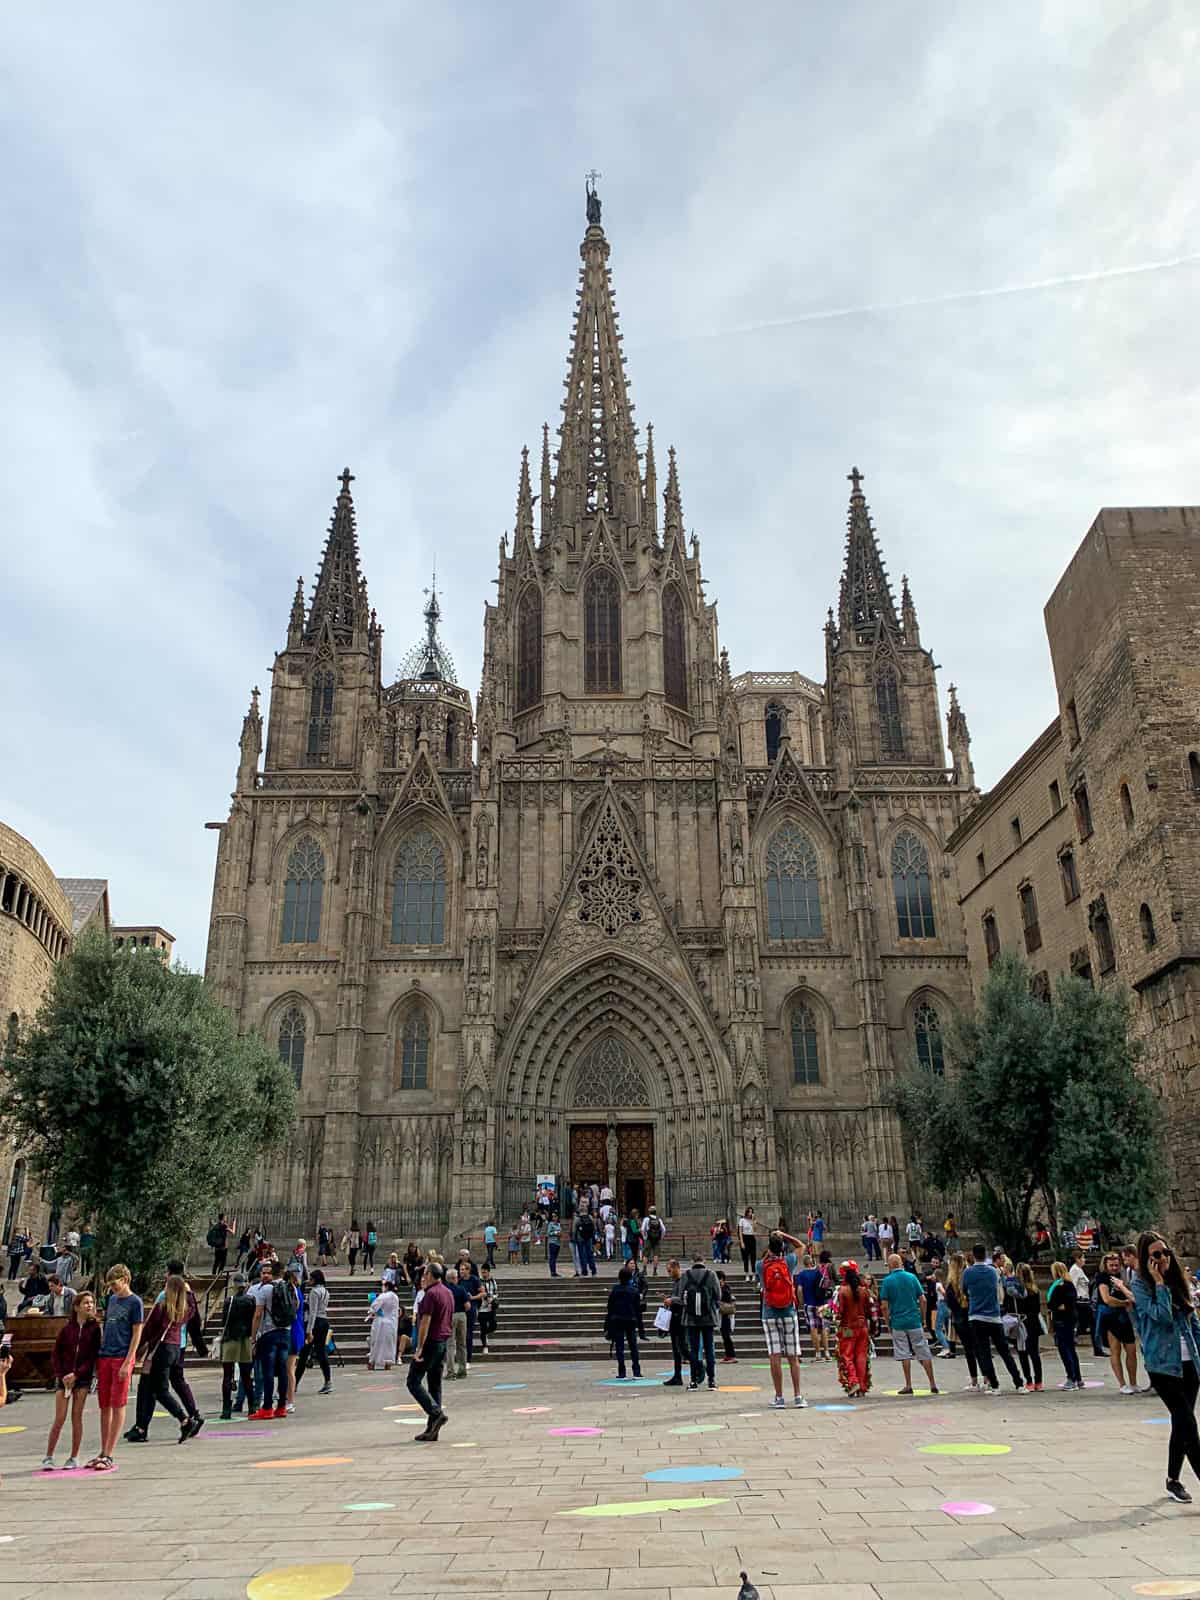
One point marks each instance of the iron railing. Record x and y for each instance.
(704, 1195)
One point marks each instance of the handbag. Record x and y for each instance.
(662, 1319)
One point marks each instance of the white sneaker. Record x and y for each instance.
(1127, 1388)
(970, 1388)
(291, 1408)
(779, 1403)
(72, 1464)
(48, 1464)
(800, 1403)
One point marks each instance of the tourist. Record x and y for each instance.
(610, 1238)
(623, 1322)
(585, 1243)
(369, 1241)
(176, 1372)
(553, 1244)
(514, 1245)
(434, 1326)
(903, 1301)
(461, 1297)
(914, 1232)
(353, 1243)
(653, 1233)
(64, 1266)
(701, 1294)
(1085, 1314)
(18, 1243)
(781, 1328)
(243, 1249)
(489, 1306)
(956, 1299)
(981, 1282)
(489, 1241)
(818, 1232)
(1116, 1321)
(413, 1264)
(870, 1237)
(468, 1274)
(673, 1303)
(885, 1238)
(943, 1321)
(854, 1309)
(1041, 1241)
(76, 1351)
(324, 1245)
(218, 1238)
(384, 1317)
(158, 1352)
(815, 1284)
(728, 1320)
(296, 1334)
(1062, 1302)
(124, 1316)
(633, 1235)
(1170, 1335)
(950, 1233)
(391, 1271)
(271, 1332)
(1029, 1309)
(525, 1235)
(747, 1243)
(35, 1287)
(237, 1346)
(57, 1300)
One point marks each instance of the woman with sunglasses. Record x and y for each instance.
(1115, 1322)
(1170, 1336)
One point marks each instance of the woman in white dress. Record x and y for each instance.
(384, 1317)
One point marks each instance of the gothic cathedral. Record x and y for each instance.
(638, 918)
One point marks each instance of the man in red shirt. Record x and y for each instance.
(435, 1318)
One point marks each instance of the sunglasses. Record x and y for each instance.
(1159, 1255)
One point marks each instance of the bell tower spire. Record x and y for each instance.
(866, 594)
(340, 592)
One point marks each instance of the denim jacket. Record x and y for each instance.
(1160, 1327)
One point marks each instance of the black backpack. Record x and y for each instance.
(285, 1303)
(654, 1231)
(216, 1237)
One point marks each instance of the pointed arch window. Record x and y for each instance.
(912, 888)
(412, 1051)
(927, 1030)
(320, 715)
(602, 633)
(1146, 922)
(293, 1035)
(793, 886)
(419, 893)
(776, 721)
(302, 893)
(529, 648)
(806, 1054)
(1194, 770)
(451, 730)
(887, 703)
(674, 648)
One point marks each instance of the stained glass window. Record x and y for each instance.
(529, 648)
(806, 1059)
(414, 1052)
(602, 634)
(674, 648)
(302, 893)
(912, 888)
(887, 701)
(927, 1027)
(419, 896)
(793, 887)
(293, 1032)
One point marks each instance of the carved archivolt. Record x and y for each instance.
(609, 1076)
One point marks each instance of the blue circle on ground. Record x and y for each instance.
(628, 1383)
(510, 1386)
(835, 1408)
(692, 1474)
(1157, 1422)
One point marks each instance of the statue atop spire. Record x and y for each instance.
(593, 199)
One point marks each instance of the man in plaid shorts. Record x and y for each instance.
(781, 1326)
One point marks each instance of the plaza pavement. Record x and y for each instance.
(831, 1505)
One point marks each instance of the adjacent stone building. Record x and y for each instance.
(1086, 854)
(630, 917)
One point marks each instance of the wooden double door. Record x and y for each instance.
(633, 1181)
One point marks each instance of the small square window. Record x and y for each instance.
(1015, 825)
(981, 864)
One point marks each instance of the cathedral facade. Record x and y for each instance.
(630, 916)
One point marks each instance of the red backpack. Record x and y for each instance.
(779, 1292)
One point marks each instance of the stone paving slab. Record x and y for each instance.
(829, 1504)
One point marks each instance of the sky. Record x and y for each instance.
(243, 247)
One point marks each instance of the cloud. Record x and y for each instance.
(245, 247)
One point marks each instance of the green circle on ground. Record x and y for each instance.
(641, 1508)
(964, 1449)
(700, 1427)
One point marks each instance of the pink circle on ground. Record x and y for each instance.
(575, 1433)
(1093, 1383)
(529, 1411)
(77, 1472)
(543, 1341)
(966, 1508)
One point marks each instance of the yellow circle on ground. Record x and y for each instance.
(643, 1508)
(1176, 1586)
(14, 1428)
(465, 1444)
(901, 1392)
(965, 1449)
(302, 1583)
(739, 1388)
(309, 1461)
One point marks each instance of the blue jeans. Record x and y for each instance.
(699, 1369)
(552, 1250)
(1098, 1346)
(620, 1334)
(1064, 1338)
(270, 1357)
(942, 1325)
(587, 1258)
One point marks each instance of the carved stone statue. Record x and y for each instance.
(612, 1153)
(593, 202)
(739, 865)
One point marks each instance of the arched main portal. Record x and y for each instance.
(616, 1075)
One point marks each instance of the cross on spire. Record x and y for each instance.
(855, 477)
(346, 479)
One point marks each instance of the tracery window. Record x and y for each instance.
(320, 715)
(927, 1030)
(609, 1076)
(806, 1055)
(302, 893)
(912, 888)
(775, 723)
(413, 1052)
(602, 634)
(887, 702)
(793, 886)
(529, 648)
(293, 1034)
(674, 648)
(419, 892)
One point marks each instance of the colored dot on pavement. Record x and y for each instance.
(835, 1408)
(1156, 1422)
(465, 1444)
(1169, 1586)
(1093, 1383)
(966, 1508)
(412, 1407)
(739, 1388)
(510, 1386)
(691, 1474)
(699, 1427)
(302, 1583)
(642, 1508)
(964, 1449)
(575, 1433)
(628, 1383)
(370, 1505)
(306, 1461)
(529, 1411)
(409, 1422)
(14, 1428)
(901, 1392)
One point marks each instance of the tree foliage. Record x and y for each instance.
(137, 1102)
(1040, 1100)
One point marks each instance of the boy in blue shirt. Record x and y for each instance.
(903, 1303)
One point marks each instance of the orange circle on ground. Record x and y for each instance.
(309, 1461)
(413, 1407)
(739, 1388)
(1178, 1586)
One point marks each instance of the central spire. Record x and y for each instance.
(866, 596)
(597, 455)
(339, 595)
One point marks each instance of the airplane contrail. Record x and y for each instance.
(1063, 281)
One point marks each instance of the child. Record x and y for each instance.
(514, 1244)
(610, 1236)
(489, 1305)
(124, 1317)
(728, 1313)
(74, 1366)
